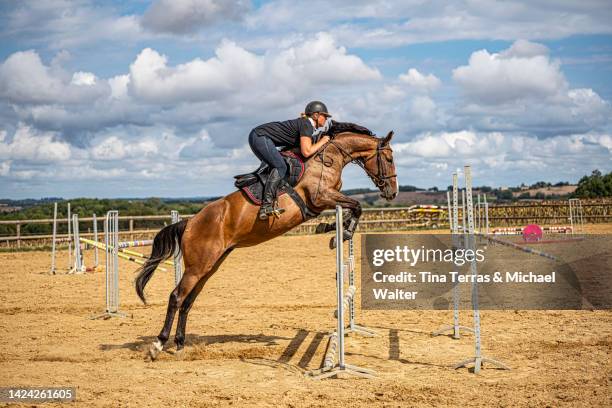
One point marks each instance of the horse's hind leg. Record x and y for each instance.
(182, 290)
(179, 338)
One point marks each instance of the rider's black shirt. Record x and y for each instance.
(286, 133)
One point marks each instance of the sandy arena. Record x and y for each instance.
(260, 323)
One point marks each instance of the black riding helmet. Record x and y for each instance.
(316, 107)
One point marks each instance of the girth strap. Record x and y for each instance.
(307, 213)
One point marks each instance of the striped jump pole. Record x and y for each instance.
(52, 271)
(334, 363)
(69, 220)
(95, 232)
(130, 244)
(140, 259)
(521, 247)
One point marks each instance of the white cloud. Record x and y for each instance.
(234, 70)
(499, 151)
(25, 79)
(184, 16)
(588, 104)
(113, 148)
(83, 78)
(422, 109)
(31, 145)
(231, 69)
(524, 49)
(470, 19)
(119, 86)
(320, 60)
(517, 73)
(522, 89)
(420, 82)
(69, 24)
(463, 143)
(5, 168)
(109, 149)
(201, 146)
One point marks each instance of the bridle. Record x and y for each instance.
(380, 178)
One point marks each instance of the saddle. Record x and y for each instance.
(252, 184)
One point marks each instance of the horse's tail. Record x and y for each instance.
(164, 246)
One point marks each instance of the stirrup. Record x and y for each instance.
(266, 211)
(263, 212)
(275, 212)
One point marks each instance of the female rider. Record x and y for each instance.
(264, 140)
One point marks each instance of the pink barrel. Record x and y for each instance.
(532, 233)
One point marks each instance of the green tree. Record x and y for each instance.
(594, 186)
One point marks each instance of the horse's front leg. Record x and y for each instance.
(330, 200)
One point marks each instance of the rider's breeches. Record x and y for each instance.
(266, 151)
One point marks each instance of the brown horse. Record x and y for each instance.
(231, 222)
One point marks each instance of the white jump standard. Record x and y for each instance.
(453, 218)
(332, 367)
(111, 242)
(78, 266)
(478, 358)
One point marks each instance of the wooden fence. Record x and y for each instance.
(373, 219)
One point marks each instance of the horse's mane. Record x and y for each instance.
(340, 127)
(335, 129)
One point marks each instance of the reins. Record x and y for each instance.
(378, 179)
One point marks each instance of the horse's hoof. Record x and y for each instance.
(154, 350)
(179, 354)
(332, 243)
(321, 228)
(345, 237)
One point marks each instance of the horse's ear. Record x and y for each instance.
(388, 138)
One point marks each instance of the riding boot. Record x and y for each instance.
(269, 196)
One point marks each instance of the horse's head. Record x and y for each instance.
(380, 167)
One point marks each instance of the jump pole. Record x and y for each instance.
(78, 266)
(52, 271)
(140, 260)
(486, 214)
(335, 346)
(454, 229)
(478, 358)
(69, 238)
(178, 267)
(131, 244)
(95, 232)
(520, 247)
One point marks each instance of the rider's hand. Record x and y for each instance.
(324, 139)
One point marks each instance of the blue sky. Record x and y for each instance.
(156, 98)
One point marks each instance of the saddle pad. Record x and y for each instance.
(252, 184)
